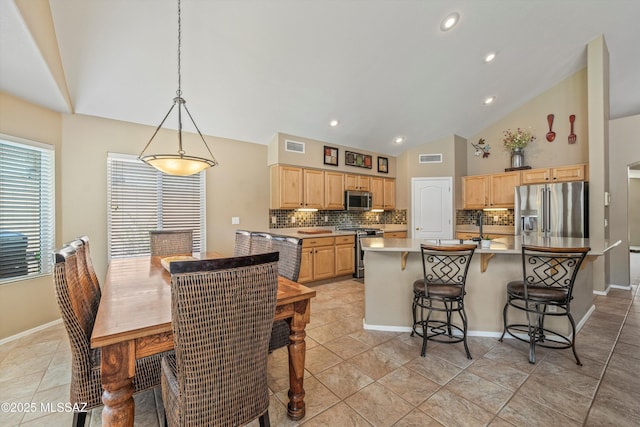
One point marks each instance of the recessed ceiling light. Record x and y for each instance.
(489, 100)
(398, 140)
(333, 123)
(490, 57)
(450, 21)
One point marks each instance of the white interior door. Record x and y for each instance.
(432, 213)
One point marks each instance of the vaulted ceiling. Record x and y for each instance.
(251, 68)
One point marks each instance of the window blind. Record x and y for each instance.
(141, 199)
(26, 209)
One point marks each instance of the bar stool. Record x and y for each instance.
(548, 277)
(441, 290)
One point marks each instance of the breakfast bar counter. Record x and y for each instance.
(392, 265)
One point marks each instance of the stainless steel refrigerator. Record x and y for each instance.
(552, 210)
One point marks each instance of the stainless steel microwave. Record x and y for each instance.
(357, 200)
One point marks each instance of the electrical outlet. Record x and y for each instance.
(377, 217)
(552, 309)
(496, 218)
(274, 220)
(235, 220)
(326, 218)
(293, 220)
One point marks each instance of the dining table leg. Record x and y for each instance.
(117, 369)
(297, 350)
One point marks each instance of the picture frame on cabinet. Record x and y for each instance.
(330, 156)
(358, 160)
(383, 164)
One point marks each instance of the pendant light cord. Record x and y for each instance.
(179, 91)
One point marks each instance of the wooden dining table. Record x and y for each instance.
(134, 321)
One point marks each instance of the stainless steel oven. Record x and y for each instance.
(362, 232)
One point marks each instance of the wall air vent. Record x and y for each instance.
(294, 146)
(430, 158)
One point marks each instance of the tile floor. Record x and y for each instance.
(356, 377)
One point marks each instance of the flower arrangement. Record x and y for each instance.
(518, 139)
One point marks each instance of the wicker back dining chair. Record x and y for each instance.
(261, 243)
(290, 250)
(221, 314)
(171, 242)
(442, 289)
(70, 281)
(242, 243)
(546, 289)
(87, 275)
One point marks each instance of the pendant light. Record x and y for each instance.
(180, 163)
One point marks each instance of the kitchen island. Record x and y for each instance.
(392, 265)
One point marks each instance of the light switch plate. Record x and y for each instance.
(235, 220)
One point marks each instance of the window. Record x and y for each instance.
(26, 209)
(141, 199)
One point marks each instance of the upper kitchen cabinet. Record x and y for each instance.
(557, 174)
(490, 191)
(389, 193)
(294, 188)
(383, 191)
(357, 182)
(333, 190)
(475, 190)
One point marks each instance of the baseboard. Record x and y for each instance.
(29, 331)
(609, 287)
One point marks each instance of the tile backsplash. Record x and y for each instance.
(284, 218)
(468, 217)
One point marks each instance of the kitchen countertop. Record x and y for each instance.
(500, 245)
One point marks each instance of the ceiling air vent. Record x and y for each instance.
(294, 146)
(430, 158)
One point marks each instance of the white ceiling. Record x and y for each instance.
(252, 68)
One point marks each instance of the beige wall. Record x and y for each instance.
(566, 98)
(625, 151)
(26, 304)
(313, 156)
(238, 186)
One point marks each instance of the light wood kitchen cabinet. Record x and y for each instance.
(293, 188)
(395, 234)
(357, 182)
(557, 174)
(389, 193)
(318, 259)
(502, 189)
(345, 255)
(333, 190)
(383, 191)
(490, 191)
(377, 193)
(475, 190)
(313, 185)
(286, 187)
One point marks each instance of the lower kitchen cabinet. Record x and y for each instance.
(395, 234)
(345, 255)
(318, 259)
(326, 257)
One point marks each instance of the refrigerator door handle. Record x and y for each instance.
(548, 210)
(543, 227)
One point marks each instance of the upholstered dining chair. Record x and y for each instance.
(242, 243)
(442, 290)
(221, 315)
(78, 316)
(290, 250)
(546, 290)
(171, 242)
